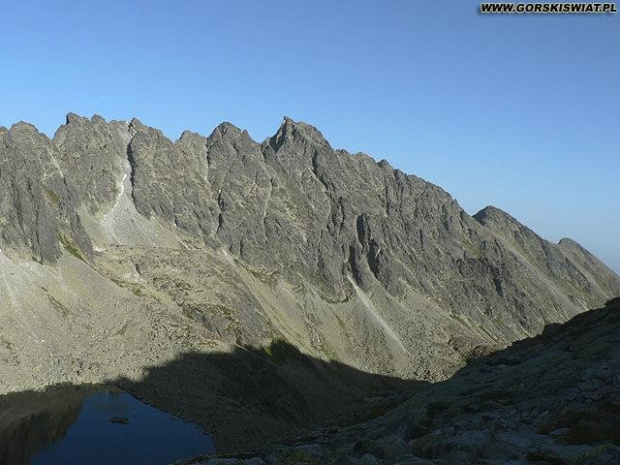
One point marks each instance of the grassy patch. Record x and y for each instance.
(269, 278)
(202, 312)
(59, 307)
(71, 247)
(281, 352)
(300, 287)
(221, 309)
(343, 328)
(473, 249)
(8, 345)
(330, 354)
(328, 300)
(52, 196)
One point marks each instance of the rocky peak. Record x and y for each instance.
(226, 130)
(136, 126)
(210, 241)
(233, 140)
(568, 242)
(509, 228)
(491, 214)
(294, 134)
(355, 230)
(38, 213)
(23, 130)
(73, 118)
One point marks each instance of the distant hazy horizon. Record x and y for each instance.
(520, 112)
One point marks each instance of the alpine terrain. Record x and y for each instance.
(259, 289)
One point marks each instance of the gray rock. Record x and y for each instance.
(413, 461)
(38, 214)
(296, 207)
(207, 242)
(368, 459)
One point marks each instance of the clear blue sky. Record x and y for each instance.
(522, 112)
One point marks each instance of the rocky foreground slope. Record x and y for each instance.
(551, 400)
(121, 251)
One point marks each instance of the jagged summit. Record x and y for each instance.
(121, 249)
(340, 255)
(73, 118)
(227, 128)
(291, 132)
(568, 242)
(489, 211)
(24, 126)
(288, 130)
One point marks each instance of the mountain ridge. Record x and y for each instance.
(343, 256)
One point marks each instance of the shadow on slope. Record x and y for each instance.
(546, 399)
(253, 396)
(550, 399)
(559, 388)
(245, 399)
(29, 421)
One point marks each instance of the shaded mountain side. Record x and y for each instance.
(551, 399)
(251, 397)
(121, 248)
(31, 421)
(245, 399)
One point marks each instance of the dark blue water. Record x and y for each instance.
(151, 437)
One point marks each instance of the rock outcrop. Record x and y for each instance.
(551, 399)
(121, 251)
(346, 258)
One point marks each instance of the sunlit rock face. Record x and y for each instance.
(122, 248)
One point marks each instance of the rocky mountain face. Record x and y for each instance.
(122, 249)
(551, 400)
